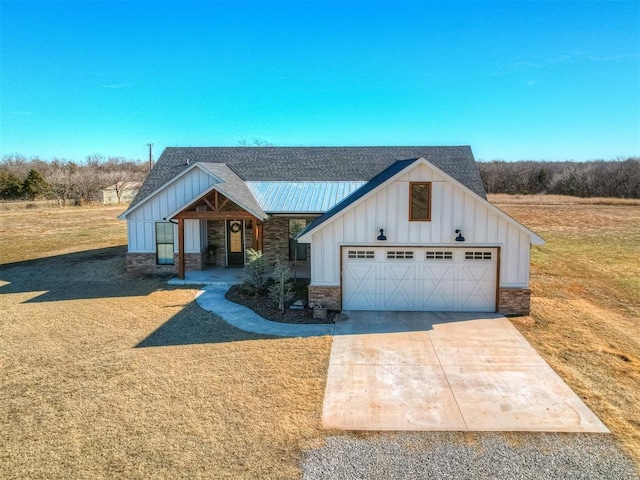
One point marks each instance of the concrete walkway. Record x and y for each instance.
(211, 298)
(444, 371)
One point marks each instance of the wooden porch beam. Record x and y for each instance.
(229, 215)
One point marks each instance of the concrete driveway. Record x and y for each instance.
(444, 371)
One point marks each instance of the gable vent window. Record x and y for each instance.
(419, 202)
(477, 255)
(439, 255)
(399, 255)
(361, 254)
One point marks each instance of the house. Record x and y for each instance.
(127, 190)
(385, 228)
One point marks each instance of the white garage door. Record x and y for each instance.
(419, 279)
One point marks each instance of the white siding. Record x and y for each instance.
(388, 208)
(141, 221)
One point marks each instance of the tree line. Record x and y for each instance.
(66, 181)
(618, 178)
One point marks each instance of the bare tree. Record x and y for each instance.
(254, 142)
(61, 176)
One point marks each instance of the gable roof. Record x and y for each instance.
(234, 189)
(372, 184)
(308, 164)
(230, 186)
(394, 171)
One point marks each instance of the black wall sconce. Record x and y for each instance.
(459, 238)
(381, 236)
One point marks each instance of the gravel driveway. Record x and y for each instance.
(456, 455)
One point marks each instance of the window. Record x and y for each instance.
(164, 243)
(419, 202)
(360, 254)
(439, 256)
(477, 255)
(399, 255)
(297, 251)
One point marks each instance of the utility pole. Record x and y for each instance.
(150, 145)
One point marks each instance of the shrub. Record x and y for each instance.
(255, 278)
(280, 292)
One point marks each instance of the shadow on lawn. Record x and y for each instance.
(192, 326)
(98, 273)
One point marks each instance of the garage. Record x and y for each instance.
(447, 279)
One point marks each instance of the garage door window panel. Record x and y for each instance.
(420, 202)
(439, 255)
(399, 255)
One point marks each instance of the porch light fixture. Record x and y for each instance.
(459, 238)
(381, 236)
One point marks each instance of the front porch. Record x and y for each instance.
(228, 276)
(226, 229)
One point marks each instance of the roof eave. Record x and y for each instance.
(123, 215)
(305, 237)
(260, 215)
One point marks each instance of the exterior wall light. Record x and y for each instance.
(381, 236)
(459, 238)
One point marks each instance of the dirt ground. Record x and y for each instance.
(107, 375)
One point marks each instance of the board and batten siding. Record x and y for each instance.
(141, 221)
(451, 208)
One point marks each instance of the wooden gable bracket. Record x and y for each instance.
(206, 200)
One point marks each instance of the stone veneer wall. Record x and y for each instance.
(514, 301)
(275, 236)
(326, 296)
(216, 236)
(146, 263)
(192, 261)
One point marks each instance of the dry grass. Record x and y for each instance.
(36, 233)
(586, 305)
(198, 398)
(505, 199)
(106, 375)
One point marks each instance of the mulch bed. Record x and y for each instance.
(263, 306)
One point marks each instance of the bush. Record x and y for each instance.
(255, 278)
(280, 292)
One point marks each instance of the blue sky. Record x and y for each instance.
(515, 80)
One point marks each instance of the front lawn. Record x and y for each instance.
(106, 375)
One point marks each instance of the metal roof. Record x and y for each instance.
(301, 197)
(375, 182)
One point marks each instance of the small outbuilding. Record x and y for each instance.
(123, 192)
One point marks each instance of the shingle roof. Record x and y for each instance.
(376, 181)
(301, 164)
(234, 188)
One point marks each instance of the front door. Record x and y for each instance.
(235, 243)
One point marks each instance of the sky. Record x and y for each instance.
(515, 80)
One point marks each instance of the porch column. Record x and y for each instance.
(255, 234)
(181, 248)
